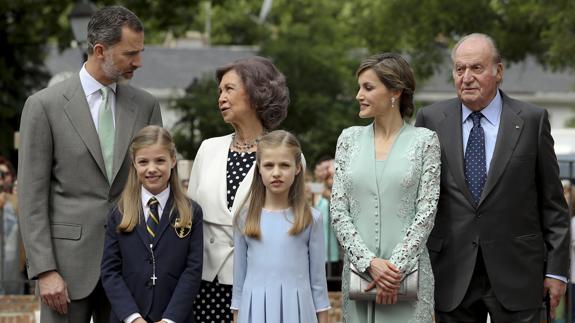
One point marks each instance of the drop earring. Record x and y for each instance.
(393, 102)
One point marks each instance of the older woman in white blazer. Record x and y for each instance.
(253, 99)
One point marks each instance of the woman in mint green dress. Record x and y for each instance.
(385, 194)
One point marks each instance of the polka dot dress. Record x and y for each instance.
(239, 165)
(213, 301)
(212, 305)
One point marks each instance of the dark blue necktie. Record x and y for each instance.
(153, 217)
(475, 166)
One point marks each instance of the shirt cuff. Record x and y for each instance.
(132, 317)
(561, 278)
(168, 320)
(323, 309)
(235, 305)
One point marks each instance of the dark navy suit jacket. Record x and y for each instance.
(127, 268)
(521, 223)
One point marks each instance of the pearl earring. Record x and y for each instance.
(393, 102)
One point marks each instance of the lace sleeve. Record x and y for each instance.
(341, 218)
(406, 254)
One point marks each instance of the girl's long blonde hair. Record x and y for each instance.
(256, 198)
(130, 202)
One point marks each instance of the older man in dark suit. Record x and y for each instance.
(501, 236)
(73, 164)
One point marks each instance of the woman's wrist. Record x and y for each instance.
(371, 264)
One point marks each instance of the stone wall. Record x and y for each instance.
(19, 309)
(25, 309)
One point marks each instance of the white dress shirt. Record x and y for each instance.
(91, 89)
(162, 199)
(490, 125)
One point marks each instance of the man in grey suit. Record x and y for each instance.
(74, 162)
(501, 236)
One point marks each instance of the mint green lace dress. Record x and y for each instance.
(386, 209)
(331, 246)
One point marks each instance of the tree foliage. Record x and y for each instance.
(316, 43)
(24, 35)
(424, 29)
(307, 42)
(312, 48)
(28, 27)
(161, 18)
(201, 118)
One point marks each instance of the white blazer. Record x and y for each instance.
(208, 188)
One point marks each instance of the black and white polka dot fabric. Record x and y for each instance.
(239, 165)
(212, 304)
(475, 167)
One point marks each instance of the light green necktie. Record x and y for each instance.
(106, 131)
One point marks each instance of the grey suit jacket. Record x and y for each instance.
(65, 195)
(521, 222)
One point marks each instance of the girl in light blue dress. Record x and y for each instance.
(279, 273)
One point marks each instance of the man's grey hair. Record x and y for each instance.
(490, 41)
(105, 26)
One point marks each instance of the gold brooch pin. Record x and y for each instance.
(182, 231)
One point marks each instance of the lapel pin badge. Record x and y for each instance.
(516, 126)
(182, 231)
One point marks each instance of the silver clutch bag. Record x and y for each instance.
(358, 283)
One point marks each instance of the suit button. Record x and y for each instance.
(474, 244)
(211, 240)
(231, 243)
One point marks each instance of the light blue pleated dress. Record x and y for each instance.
(280, 278)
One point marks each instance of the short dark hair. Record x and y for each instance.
(266, 88)
(6, 161)
(396, 74)
(105, 26)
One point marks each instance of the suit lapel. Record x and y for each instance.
(125, 121)
(510, 128)
(452, 145)
(78, 112)
(242, 189)
(220, 162)
(142, 232)
(165, 219)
